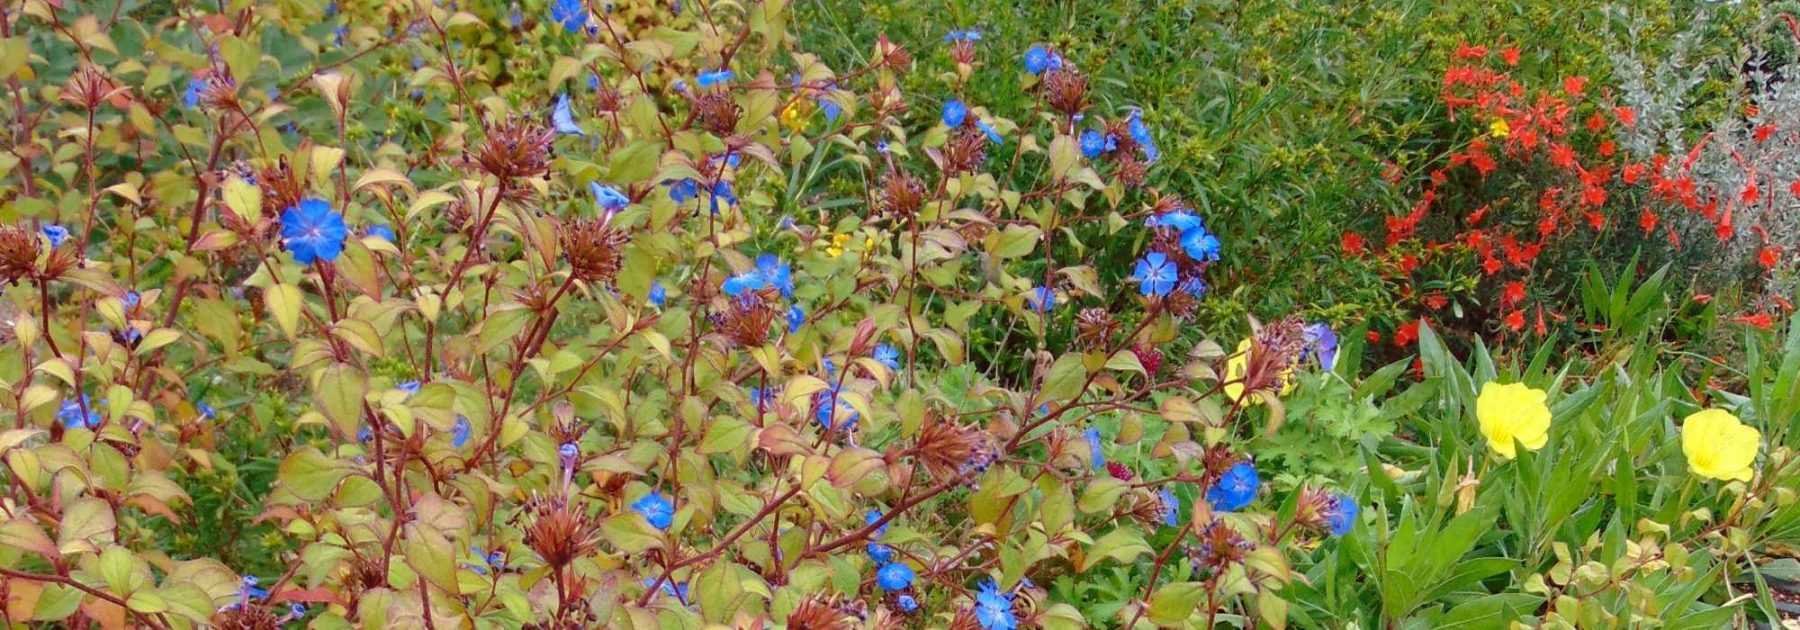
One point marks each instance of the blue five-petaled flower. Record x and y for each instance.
(459, 434)
(1096, 456)
(1042, 299)
(955, 112)
(655, 508)
(658, 294)
(994, 608)
(1234, 489)
(1039, 59)
(769, 272)
(1094, 143)
(716, 77)
(887, 355)
(312, 231)
(381, 231)
(1140, 133)
(1155, 275)
(56, 234)
(896, 576)
(1340, 515)
(796, 317)
(78, 414)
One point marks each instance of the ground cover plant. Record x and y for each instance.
(649, 314)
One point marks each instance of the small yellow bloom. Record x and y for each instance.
(1499, 128)
(1718, 446)
(836, 248)
(1511, 413)
(795, 115)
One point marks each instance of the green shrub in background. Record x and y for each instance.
(642, 314)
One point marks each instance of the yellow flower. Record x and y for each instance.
(836, 248)
(1499, 128)
(1718, 446)
(1511, 413)
(795, 115)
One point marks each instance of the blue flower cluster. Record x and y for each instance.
(1198, 243)
(770, 271)
(994, 607)
(1235, 488)
(1039, 59)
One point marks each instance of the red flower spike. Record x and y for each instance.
(1515, 320)
(1352, 243)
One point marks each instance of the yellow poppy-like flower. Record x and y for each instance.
(1511, 414)
(1499, 128)
(795, 115)
(1718, 446)
(836, 248)
(1237, 368)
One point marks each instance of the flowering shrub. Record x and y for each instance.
(590, 337)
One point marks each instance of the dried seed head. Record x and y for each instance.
(1220, 548)
(1066, 90)
(516, 148)
(246, 618)
(902, 194)
(594, 249)
(282, 188)
(819, 612)
(948, 449)
(607, 99)
(1274, 350)
(892, 55)
(717, 113)
(963, 51)
(1095, 327)
(746, 318)
(966, 150)
(89, 87)
(18, 253)
(218, 90)
(1131, 171)
(560, 532)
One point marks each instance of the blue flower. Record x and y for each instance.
(608, 198)
(191, 98)
(761, 399)
(881, 554)
(206, 411)
(830, 408)
(1155, 275)
(994, 608)
(658, 294)
(313, 231)
(680, 86)
(1321, 343)
(562, 117)
(1171, 507)
(1095, 454)
(906, 603)
(1341, 514)
(887, 355)
(683, 190)
(381, 231)
(572, 14)
(72, 416)
(1094, 143)
(722, 190)
(769, 272)
(870, 518)
(1181, 221)
(896, 576)
(830, 367)
(1042, 299)
(796, 317)
(1039, 59)
(1234, 489)
(993, 135)
(459, 434)
(716, 77)
(56, 234)
(247, 589)
(955, 112)
(296, 610)
(364, 434)
(969, 35)
(831, 109)
(1200, 245)
(1140, 133)
(130, 299)
(593, 82)
(656, 509)
(569, 451)
(410, 388)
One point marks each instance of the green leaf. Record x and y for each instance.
(630, 532)
(1065, 379)
(310, 475)
(1173, 602)
(56, 602)
(1122, 544)
(725, 435)
(284, 302)
(1101, 495)
(340, 395)
(1014, 241)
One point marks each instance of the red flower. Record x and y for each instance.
(1436, 301)
(1703, 298)
(1466, 51)
(1407, 334)
(1763, 133)
(1352, 243)
(1574, 85)
(1626, 115)
(1374, 336)
(1761, 321)
(1594, 219)
(1515, 320)
(1795, 188)
(1768, 256)
(1409, 263)
(1511, 55)
(1491, 265)
(1647, 221)
(1633, 172)
(1513, 293)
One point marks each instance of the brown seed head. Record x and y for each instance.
(594, 249)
